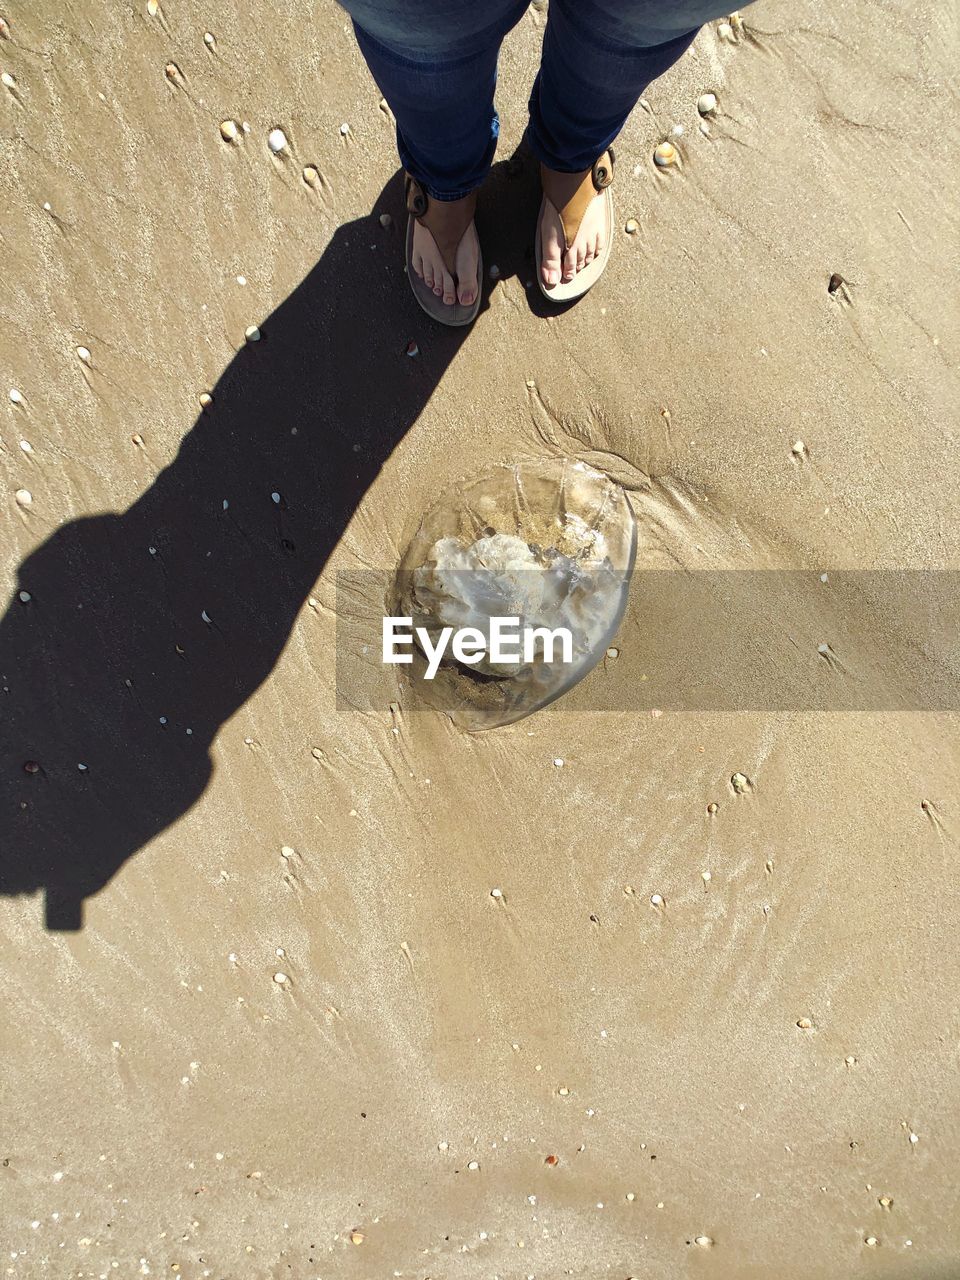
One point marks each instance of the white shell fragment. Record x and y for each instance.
(206, 399)
(740, 783)
(631, 226)
(210, 40)
(7, 80)
(344, 129)
(798, 448)
(656, 900)
(311, 175)
(703, 1241)
(229, 130)
(665, 155)
(26, 446)
(153, 8)
(252, 333)
(280, 978)
(725, 32)
(707, 103)
(24, 498)
(15, 396)
(277, 141)
(84, 355)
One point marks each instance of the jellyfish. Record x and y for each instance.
(549, 543)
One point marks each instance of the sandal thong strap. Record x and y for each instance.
(570, 193)
(446, 220)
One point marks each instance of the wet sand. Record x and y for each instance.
(266, 1016)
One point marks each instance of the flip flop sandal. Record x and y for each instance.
(570, 193)
(447, 221)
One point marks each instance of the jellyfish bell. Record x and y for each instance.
(531, 551)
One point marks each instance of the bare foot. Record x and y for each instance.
(429, 265)
(557, 265)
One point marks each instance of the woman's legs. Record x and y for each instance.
(598, 58)
(435, 62)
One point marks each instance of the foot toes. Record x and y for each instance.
(449, 291)
(569, 264)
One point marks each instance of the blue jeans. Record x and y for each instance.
(435, 62)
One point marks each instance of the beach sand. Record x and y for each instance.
(264, 1016)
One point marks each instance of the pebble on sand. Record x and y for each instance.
(277, 141)
(24, 498)
(665, 155)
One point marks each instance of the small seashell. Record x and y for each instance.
(665, 155)
(804, 1024)
(24, 497)
(206, 399)
(551, 1160)
(706, 877)
(4, 29)
(798, 448)
(210, 40)
(712, 807)
(277, 141)
(229, 130)
(31, 766)
(7, 80)
(707, 103)
(245, 126)
(725, 32)
(443, 1146)
(850, 1060)
(704, 128)
(736, 22)
(558, 763)
(84, 355)
(473, 1165)
(357, 1237)
(153, 8)
(494, 272)
(496, 893)
(656, 900)
(82, 767)
(172, 71)
(280, 978)
(631, 226)
(412, 349)
(25, 597)
(740, 783)
(15, 396)
(252, 333)
(344, 129)
(386, 221)
(276, 497)
(871, 1242)
(26, 446)
(613, 653)
(137, 440)
(311, 175)
(703, 1241)
(885, 1202)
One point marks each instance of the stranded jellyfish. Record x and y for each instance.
(549, 543)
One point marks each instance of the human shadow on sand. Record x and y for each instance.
(168, 616)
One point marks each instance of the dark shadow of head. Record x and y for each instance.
(146, 630)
